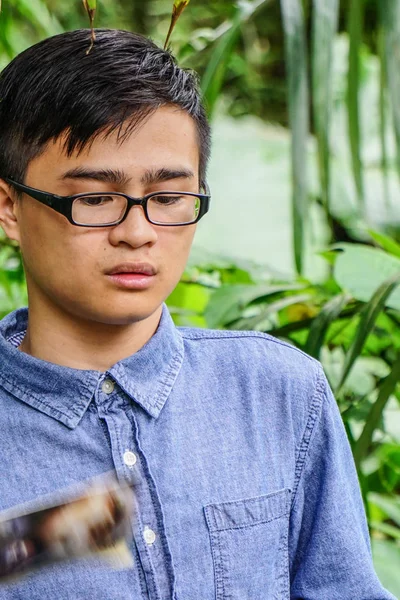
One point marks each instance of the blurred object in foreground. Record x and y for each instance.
(97, 521)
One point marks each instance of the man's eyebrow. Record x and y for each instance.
(114, 176)
(118, 177)
(164, 174)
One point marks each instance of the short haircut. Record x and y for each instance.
(56, 88)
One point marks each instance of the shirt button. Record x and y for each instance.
(149, 536)
(129, 458)
(107, 386)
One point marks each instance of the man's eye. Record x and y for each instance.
(167, 199)
(96, 200)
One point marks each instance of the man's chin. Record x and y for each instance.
(125, 316)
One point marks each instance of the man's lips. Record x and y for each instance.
(132, 276)
(133, 269)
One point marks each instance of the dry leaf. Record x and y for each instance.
(90, 7)
(177, 9)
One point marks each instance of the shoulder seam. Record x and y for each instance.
(313, 417)
(225, 334)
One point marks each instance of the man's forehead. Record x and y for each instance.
(169, 152)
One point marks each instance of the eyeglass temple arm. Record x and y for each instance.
(43, 197)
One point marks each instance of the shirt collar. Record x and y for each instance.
(63, 393)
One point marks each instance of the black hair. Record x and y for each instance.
(55, 88)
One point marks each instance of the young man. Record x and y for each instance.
(244, 480)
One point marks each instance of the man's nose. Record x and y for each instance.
(135, 230)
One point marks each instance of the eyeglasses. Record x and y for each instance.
(106, 209)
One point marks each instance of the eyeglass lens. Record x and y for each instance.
(169, 208)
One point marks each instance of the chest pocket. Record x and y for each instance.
(249, 540)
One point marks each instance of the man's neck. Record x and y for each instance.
(66, 340)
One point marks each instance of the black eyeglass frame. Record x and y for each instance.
(63, 204)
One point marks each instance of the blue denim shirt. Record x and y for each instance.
(243, 471)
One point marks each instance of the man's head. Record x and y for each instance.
(125, 112)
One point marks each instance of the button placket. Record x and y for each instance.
(131, 467)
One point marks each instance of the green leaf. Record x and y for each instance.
(325, 23)
(213, 77)
(90, 7)
(39, 15)
(6, 25)
(329, 313)
(353, 87)
(388, 504)
(390, 15)
(375, 414)
(297, 75)
(383, 108)
(369, 315)
(251, 323)
(360, 269)
(386, 560)
(386, 529)
(227, 303)
(216, 67)
(190, 296)
(385, 242)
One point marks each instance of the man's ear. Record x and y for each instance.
(9, 212)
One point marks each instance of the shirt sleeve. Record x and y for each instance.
(330, 553)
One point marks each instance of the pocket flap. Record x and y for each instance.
(248, 511)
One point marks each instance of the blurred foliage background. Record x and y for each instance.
(303, 239)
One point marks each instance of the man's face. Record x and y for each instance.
(70, 266)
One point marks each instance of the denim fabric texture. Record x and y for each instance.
(243, 469)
